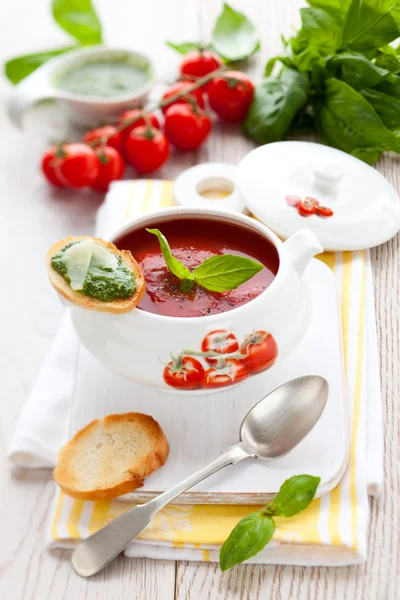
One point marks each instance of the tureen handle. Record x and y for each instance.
(302, 246)
(33, 89)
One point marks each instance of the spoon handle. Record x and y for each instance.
(94, 553)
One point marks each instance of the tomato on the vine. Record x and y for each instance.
(49, 161)
(230, 95)
(184, 372)
(111, 168)
(185, 128)
(179, 87)
(76, 165)
(198, 63)
(147, 149)
(221, 341)
(133, 114)
(107, 135)
(259, 351)
(227, 372)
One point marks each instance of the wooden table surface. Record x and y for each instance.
(33, 217)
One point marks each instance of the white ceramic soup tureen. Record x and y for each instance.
(139, 345)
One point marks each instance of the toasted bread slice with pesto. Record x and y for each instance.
(118, 305)
(111, 456)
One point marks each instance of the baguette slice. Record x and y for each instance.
(120, 305)
(111, 456)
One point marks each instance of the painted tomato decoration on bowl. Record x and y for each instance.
(220, 341)
(184, 372)
(225, 372)
(222, 361)
(259, 350)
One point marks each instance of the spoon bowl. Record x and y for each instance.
(279, 422)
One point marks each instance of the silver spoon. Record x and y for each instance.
(271, 429)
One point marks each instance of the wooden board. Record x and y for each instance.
(200, 428)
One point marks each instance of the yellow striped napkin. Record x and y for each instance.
(333, 530)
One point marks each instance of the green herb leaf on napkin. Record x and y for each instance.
(184, 47)
(247, 539)
(254, 531)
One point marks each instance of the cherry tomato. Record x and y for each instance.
(76, 165)
(132, 114)
(306, 208)
(198, 63)
(260, 351)
(146, 149)
(186, 129)
(324, 211)
(230, 95)
(184, 372)
(111, 167)
(49, 161)
(97, 135)
(220, 341)
(181, 86)
(227, 372)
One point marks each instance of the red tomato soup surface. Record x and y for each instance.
(192, 241)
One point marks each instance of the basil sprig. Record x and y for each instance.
(339, 76)
(218, 273)
(234, 37)
(78, 18)
(255, 530)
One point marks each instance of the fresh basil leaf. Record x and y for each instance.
(319, 29)
(79, 19)
(294, 495)
(248, 538)
(368, 155)
(173, 264)
(225, 272)
(387, 107)
(309, 59)
(234, 36)
(371, 24)
(390, 88)
(356, 70)
(349, 122)
(389, 59)
(20, 67)
(275, 103)
(335, 8)
(285, 60)
(185, 47)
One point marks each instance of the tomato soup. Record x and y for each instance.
(192, 241)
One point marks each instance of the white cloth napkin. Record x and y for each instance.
(42, 427)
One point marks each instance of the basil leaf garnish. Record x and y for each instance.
(295, 495)
(22, 66)
(225, 272)
(249, 536)
(173, 264)
(254, 531)
(79, 19)
(234, 36)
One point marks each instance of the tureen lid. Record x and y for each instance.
(274, 178)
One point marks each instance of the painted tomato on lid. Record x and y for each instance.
(220, 341)
(225, 372)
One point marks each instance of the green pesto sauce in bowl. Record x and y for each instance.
(100, 282)
(105, 77)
